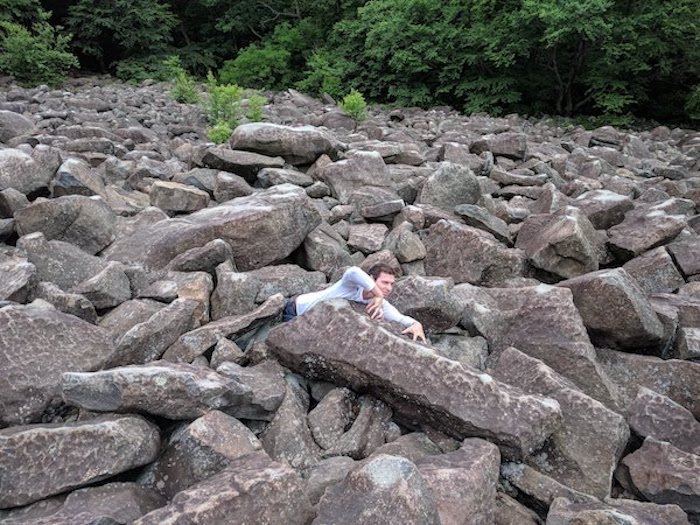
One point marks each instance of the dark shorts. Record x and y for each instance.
(290, 310)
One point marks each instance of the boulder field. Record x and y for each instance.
(146, 376)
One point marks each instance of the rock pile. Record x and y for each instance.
(146, 377)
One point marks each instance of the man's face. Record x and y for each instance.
(385, 283)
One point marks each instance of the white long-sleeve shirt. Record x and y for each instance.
(350, 287)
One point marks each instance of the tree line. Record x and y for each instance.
(616, 59)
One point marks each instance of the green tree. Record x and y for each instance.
(36, 56)
(112, 31)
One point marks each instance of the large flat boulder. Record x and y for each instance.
(252, 489)
(170, 390)
(118, 502)
(566, 512)
(298, 145)
(583, 453)
(38, 344)
(642, 230)
(16, 277)
(431, 390)
(86, 222)
(543, 322)
(261, 229)
(42, 460)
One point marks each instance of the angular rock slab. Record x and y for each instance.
(16, 276)
(583, 453)
(20, 171)
(433, 389)
(613, 511)
(542, 322)
(655, 271)
(171, 390)
(195, 343)
(384, 489)
(42, 460)
(266, 381)
(654, 415)
(676, 379)
(429, 300)
(663, 474)
(86, 222)
(469, 255)
(288, 437)
(615, 310)
(363, 168)
(563, 243)
(252, 489)
(261, 229)
(604, 208)
(449, 186)
(197, 451)
(148, 340)
(643, 230)
(38, 344)
(463, 482)
(109, 504)
(298, 145)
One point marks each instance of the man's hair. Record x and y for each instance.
(380, 268)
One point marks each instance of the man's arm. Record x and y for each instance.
(413, 327)
(356, 277)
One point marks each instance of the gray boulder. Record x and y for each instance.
(617, 510)
(197, 451)
(663, 474)
(86, 222)
(260, 229)
(16, 278)
(469, 255)
(13, 125)
(242, 163)
(563, 243)
(253, 488)
(20, 171)
(108, 288)
(449, 186)
(171, 390)
(583, 453)
(42, 460)
(298, 145)
(615, 310)
(38, 344)
(428, 300)
(655, 271)
(363, 168)
(176, 197)
(355, 362)
(464, 482)
(385, 489)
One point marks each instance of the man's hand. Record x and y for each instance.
(375, 308)
(416, 330)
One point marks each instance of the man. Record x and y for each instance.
(358, 286)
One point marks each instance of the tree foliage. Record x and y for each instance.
(602, 57)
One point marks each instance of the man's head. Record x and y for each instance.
(384, 277)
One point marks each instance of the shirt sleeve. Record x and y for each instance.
(392, 314)
(354, 277)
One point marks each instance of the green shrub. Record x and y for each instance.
(139, 68)
(354, 105)
(323, 75)
(222, 103)
(183, 89)
(219, 132)
(692, 104)
(255, 107)
(39, 56)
